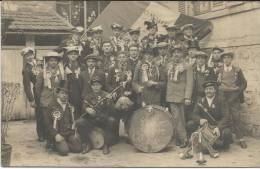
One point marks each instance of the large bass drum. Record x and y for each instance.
(151, 129)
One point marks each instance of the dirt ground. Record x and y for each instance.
(27, 151)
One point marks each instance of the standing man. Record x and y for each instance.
(108, 56)
(30, 71)
(188, 36)
(148, 80)
(149, 42)
(232, 85)
(179, 92)
(97, 40)
(134, 56)
(135, 38)
(117, 40)
(172, 31)
(215, 60)
(73, 69)
(60, 123)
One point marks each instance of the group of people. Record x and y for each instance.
(96, 83)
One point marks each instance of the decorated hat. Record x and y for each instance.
(53, 54)
(92, 56)
(230, 54)
(162, 44)
(62, 86)
(97, 29)
(134, 31)
(78, 29)
(171, 26)
(69, 49)
(27, 50)
(201, 54)
(116, 26)
(210, 83)
(217, 48)
(186, 26)
(150, 24)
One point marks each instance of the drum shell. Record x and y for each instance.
(97, 138)
(151, 129)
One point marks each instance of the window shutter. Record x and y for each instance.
(181, 7)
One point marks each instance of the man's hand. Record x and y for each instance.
(187, 102)
(203, 121)
(140, 89)
(216, 131)
(90, 111)
(151, 83)
(32, 104)
(59, 138)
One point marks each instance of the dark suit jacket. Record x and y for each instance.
(218, 111)
(29, 77)
(63, 125)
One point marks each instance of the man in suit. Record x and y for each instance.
(179, 92)
(134, 56)
(117, 41)
(232, 85)
(86, 76)
(99, 112)
(212, 109)
(172, 31)
(60, 123)
(108, 56)
(30, 71)
(135, 39)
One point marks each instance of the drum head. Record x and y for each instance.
(151, 129)
(97, 138)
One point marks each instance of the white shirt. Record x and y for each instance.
(201, 69)
(91, 71)
(210, 100)
(63, 105)
(227, 68)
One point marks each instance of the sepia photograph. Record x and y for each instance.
(130, 83)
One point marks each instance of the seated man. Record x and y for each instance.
(59, 120)
(212, 110)
(98, 110)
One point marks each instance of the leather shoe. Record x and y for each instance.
(85, 148)
(243, 144)
(106, 150)
(183, 144)
(41, 139)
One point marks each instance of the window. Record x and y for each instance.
(181, 7)
(201, 7)
(13, 40)
(47, 40)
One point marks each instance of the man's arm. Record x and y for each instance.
(189, 83)
(49, 122)
(27, 85)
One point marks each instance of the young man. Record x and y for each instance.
(135, 38)
(134, 56)
(117, 40)
(188, 36)
(97, 40)
(73, 69)
(215, 60)
(30, 71)
(98, 112)
(232, 85)
(202, 73)
(149, 42)
(212, 109)
(148, 80)
(60, 122)
(48, 80)
(108, 56)
(178, 92)
(192, 50)
(86, 76)
(172, 31)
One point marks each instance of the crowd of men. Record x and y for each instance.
(96, 83)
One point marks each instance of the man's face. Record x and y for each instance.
(171, 33)
(107, 47)
(227, 60)
(153, 30)
(177, 54)
(73, 56)
(216, 54)
(122, 58)
(188, 32)
(96, 87)
(135, 36)
(29, 56)
(91, 63)
(162, 51)
(52, 62)
(76, 36)
(133, 52)
(201, 61)
(99, 64)
(63, 96)
(210, 91)
(97, 35)
(116, 32)
(148, 57)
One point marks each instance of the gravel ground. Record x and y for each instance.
(27, 151)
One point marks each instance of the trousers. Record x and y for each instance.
(69, 144)
(179, 122)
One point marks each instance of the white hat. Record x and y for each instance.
(26, 50)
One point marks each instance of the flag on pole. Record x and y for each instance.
(132, 14)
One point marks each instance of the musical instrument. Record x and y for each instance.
(97, 138)
(151, 128)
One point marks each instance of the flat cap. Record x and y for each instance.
(116, 26)
(210, 83)
(231, 54)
